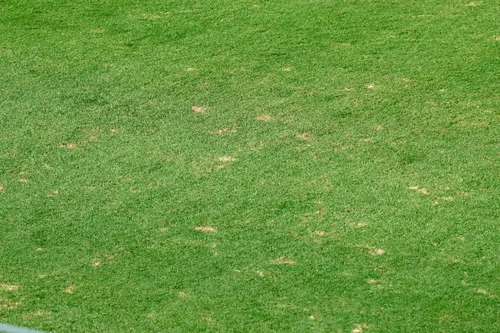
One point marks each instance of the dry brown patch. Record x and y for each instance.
(7, 304)
(34, 314)
(424, 191)
(52, 193)
(224, 130)
(359, 224)
(205, 229)
(22, 180)
(303, 136)
(372, 249)
(260, 273)
(287, 69)
(303, 147)
(110, 257)
(366, 140)
(474, 4)
(320, 233)
(68, 146)
(2, 189)
(69, 289)
(149, 16)
(370, 86)
(283, 261)
(359, 328)
(41, 313)
(126, 178)
(454, 259)
(191, 69)
(152, 315)
(96, 263)
(312, 317)
(485, 292)
(496, 37)
(113, 130)
(347, 89)
(97, 31)
(420, 189)
(227, 159)
(8, 287)
(199, 109)
(379, 127)
(372, 281)
(264, 117)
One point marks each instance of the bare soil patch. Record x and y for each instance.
(419, 189)
(69, 289)
(7, 304)
(264, 117)
(283, 261)
(227, 159)
(360, 224)
(199, 109)
(303, 136)
(225, 130)
(8, 287)
(205, 229)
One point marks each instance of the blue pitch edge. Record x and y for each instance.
(6, 328)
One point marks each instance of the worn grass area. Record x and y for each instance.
(250, 166)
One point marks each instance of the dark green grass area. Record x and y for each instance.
(342, 177)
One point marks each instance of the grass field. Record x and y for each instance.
(250, 166)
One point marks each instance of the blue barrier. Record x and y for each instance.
(6, 328)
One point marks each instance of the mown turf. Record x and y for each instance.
(343, 168)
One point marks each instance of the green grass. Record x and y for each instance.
(362, 192)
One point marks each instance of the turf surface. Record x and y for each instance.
(250, 166)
